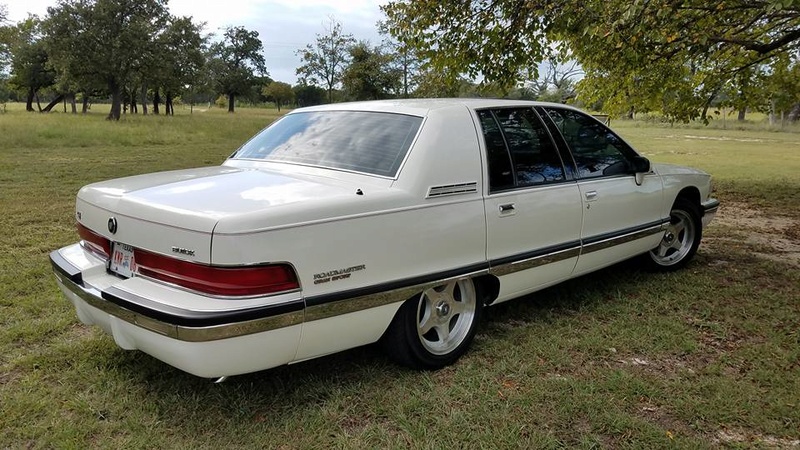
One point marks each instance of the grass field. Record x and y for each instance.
(706, 357)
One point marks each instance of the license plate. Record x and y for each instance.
(122, 262)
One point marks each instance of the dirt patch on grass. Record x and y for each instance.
(776, 238)
(739, 437)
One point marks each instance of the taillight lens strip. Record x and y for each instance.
(96, 243)
(241, 281)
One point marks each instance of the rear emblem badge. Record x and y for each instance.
(112, 225)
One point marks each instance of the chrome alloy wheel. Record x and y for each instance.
(678, 239)
(445, 316)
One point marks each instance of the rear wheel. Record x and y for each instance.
(681, 238)
(435, 328)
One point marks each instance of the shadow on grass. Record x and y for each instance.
(288, 391)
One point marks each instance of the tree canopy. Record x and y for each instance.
(324, 61)
(279, 92)
(101, 41)
(237, 59)
(370, 74)
(674, 54)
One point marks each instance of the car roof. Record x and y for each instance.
(423, 106)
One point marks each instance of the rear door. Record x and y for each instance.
(621, 211)
(533, 205)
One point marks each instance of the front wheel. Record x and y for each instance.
(681, 238)
(435, 328)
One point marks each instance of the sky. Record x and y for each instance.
(284, 26)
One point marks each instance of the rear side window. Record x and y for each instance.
(519, 150)
(367, 142)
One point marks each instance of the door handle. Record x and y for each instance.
(508, 207)
(591, 195)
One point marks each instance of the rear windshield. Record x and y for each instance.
(368, 142)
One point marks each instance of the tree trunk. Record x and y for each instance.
(772, 111)
(29, 103)
(38, 105)
(794, 113)
(704, 115)
(65, 105)
(168, 104)
(156, 101)
(116, 101)
(144, 98)
(72, 104)
(742, 112)
(85, 107)
(134, 106)
(231, 101)
(631, 113)
(52, 104)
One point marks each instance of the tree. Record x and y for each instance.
(325, 60)
(5, 92)
(6, 33)
(404, 60)
(782, 87)
(307, 95)
(236, 59)
(370, 74)
(436, 83)
(101, 41)
(629, 50)
(181, 57)
(30, 62)
(279, 92)
(557, 84)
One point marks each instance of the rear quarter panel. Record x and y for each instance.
(399, 234)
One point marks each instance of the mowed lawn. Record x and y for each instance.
(705, 357)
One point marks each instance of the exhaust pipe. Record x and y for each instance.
(221, 379)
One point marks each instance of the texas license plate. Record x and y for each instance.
(122, 262)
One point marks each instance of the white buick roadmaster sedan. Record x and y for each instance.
(393, 221)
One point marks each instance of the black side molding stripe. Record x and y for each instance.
(185, 318)
(393, 285)
(623, 232)
(67, 270)
(535, 253)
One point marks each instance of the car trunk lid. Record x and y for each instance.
(175, 213)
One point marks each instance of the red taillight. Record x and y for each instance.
(223, 281)
(96, 242)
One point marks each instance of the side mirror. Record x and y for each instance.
(640, 164)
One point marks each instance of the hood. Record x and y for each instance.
(674, 169)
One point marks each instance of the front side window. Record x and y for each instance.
(596, 149)
(366, 142)
(519, 150)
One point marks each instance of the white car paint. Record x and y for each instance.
(376, 230)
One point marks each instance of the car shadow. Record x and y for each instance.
(182, 397)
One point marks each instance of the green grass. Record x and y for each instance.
(704, 357)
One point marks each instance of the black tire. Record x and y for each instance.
(680, 241)
(433, 329)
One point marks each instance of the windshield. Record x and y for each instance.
(368, 142)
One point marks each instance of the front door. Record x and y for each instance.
(621, 210)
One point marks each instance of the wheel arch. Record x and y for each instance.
(690, 193)
(487, 288)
